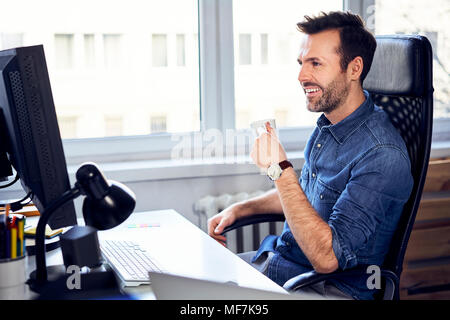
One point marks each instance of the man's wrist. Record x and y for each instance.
(287, 175)
(275, 170)
(288, 180)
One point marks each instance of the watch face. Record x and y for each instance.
(274, 171)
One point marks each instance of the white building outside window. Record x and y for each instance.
(64, 51)
(159, 50)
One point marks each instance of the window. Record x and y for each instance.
(243, 118)
(64, 48)
(245, 49)
(181, 50)
(431, 20)
(112, 46)
(101, 60)
(264, 49)
(266, 79)
(89, 50)
(158, 124)
(282, 117)
(160, 58)
(67, 126)
(113, 126)
(11, 40)
(159, 50)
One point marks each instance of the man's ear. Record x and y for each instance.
(355, 68)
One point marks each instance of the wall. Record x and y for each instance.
(180, 194)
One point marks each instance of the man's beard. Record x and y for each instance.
(332, 97)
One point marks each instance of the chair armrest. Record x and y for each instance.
(258, 218)
(309, 278)
(312, 277)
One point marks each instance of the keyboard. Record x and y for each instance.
(130, 262)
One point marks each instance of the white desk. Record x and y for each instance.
(182, 249)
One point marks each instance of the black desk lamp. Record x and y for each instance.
(107, 204)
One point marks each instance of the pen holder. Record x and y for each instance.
(13, 278)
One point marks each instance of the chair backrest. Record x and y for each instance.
(400, 81)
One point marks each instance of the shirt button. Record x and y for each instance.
(313, 175)
(319, 145)
(321, 197)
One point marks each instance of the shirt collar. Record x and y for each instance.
(348, 125)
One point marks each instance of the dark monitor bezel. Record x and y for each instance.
(34, 143)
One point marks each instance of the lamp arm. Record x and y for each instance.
(41, 267)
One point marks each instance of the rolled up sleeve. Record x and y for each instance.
(346, 258)
(379, 185)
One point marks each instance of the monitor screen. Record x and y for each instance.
(33, 141)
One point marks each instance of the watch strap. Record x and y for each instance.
(285, 164)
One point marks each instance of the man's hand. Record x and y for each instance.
(220, 221)
(267, 149)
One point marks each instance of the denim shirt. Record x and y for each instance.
(357, 176)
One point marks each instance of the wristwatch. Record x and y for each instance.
(275, 169)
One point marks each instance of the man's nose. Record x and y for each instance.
(303, 74)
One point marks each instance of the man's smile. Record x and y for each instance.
(312, 91)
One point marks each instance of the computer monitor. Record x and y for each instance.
(30, 127)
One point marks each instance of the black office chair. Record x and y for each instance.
(400, 81)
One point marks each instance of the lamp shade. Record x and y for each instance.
(110, 211)
(108, 203)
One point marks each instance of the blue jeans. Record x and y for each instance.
(322, 289)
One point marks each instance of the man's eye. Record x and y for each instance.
(316, 64)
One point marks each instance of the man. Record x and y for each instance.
(344, 208)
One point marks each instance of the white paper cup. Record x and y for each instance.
(13, 278)
(259, 126)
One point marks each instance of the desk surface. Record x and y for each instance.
(182, 249)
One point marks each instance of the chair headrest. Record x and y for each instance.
(398, 66)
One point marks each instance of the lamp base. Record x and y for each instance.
(93, 285)
(53, 273)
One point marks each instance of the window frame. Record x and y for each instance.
(216, 90)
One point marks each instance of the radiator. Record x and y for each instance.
(244, 239)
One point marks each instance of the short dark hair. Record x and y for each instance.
(356, 40)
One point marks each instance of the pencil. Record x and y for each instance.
(3, 235)
(13, 243)
(20, 237)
